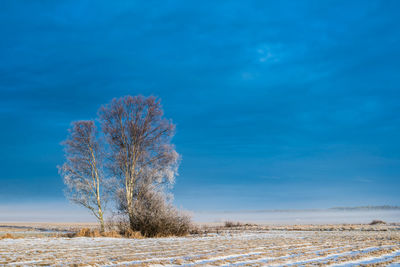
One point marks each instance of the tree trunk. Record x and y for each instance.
(129, 201)
(130, 213)
(101, 224)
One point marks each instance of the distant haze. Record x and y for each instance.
(44, 212)
(326, 216)
(64, 212)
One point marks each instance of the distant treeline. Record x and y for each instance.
(359, 208)
(384, 207)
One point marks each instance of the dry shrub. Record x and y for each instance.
(121, 222)
(96, 233)
(120, 225)
(86, 232)
(230, 224)
(155, 216)
(196, 230)
(132, 234)
(202, 230)
(112, 233)
(375, 222)
(8, 236)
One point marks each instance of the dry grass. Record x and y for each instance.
(87, 232)
(132, 234)
(8, 236)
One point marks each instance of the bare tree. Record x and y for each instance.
(82, 170)
(142, 155)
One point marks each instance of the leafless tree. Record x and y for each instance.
(142, 156)
(83, 171)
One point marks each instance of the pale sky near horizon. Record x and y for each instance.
(278, 104)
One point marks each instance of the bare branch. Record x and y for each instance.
(139, 138)
(81, 171)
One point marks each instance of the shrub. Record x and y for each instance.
(8, 236)
(375, 222)
(120, 223)
(155, 216)
(111, 234)
(132, 234)
(84, 232)
(230, 224)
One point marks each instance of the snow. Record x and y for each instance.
(272, 248)
(371, 260)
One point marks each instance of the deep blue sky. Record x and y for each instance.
(278, 104)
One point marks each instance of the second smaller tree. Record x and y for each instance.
(82, 170)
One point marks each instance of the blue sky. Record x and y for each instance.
(278, 104)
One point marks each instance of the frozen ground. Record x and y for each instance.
(256, 247)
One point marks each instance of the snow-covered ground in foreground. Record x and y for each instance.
(229, 248)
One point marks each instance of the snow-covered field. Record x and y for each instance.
(227, 248)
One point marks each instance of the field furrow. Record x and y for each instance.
(240, 248)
